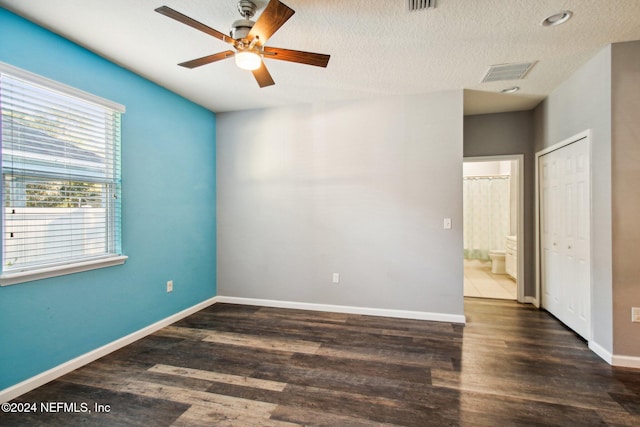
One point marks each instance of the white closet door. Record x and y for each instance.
(565, 233)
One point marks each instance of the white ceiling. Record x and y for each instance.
(377, 47)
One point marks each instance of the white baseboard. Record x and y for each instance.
(626, 361)
(402, 314)
(532, 300)
(615, 359)
(601, 351)
(56, 372)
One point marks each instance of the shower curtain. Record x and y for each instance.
(486, 215)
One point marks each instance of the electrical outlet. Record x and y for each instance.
(336, 277)
(635, 314)
(170, 286)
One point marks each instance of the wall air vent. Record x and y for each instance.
(502, 72)
(414, 5)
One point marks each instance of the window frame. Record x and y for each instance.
(70, 266)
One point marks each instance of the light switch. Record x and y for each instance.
(447, 223)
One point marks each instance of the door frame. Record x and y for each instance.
(519, 159)
(586, 135)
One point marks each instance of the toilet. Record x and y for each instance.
(497, 261)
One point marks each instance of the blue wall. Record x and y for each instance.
(168, 219)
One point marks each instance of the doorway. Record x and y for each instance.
(493, 224)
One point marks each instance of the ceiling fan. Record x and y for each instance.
(248, 39)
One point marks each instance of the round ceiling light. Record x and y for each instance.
(248, 59)
(557, 18)
(513, 89)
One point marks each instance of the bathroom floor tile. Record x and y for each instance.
(470, 290)
(479, 281)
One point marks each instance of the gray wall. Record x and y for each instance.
(625, 152)
(584, 102)
(508, 134)
(360, 188)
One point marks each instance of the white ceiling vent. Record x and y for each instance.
(414, 5)
(502, 72)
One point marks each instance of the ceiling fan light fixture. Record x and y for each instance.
(248, 60)
(248, 38)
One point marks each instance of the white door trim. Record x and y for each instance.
(575, 138)
(519, 158)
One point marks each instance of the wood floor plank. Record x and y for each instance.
(301, 315)
(316, 418)
(381, 355)
(286, 345)
(328, 378)
(365, 407)
(198, 416)
(216, 403)
(538, 391)
(183, 333)
(487, 410)
(219, 377)
(618, 418)
(193, 397)
(208, 356)
(386, 369)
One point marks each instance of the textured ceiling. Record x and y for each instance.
(377, 47)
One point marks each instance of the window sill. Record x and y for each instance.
(7, 279)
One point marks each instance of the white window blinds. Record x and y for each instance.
(60, 173)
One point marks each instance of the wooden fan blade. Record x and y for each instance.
(207, 59)
(263, 77)
(174, 14)
(309, 58)
(272, 18)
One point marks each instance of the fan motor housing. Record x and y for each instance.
(240, 28)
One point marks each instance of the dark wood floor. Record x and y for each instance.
(233, 365)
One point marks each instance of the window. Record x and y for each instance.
(60, 178)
